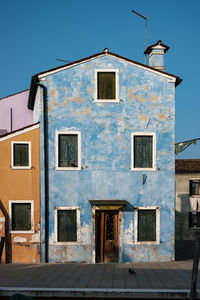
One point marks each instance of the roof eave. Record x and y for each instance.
(35, 78)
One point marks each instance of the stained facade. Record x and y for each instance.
(107, 159)
(20, 195)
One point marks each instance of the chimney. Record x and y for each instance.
(156, 54)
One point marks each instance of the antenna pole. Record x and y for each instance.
(145, 18)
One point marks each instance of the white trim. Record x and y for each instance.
(101, 55)
(116, 71)
(153, 150)
(157, 209)
(10, 216)
(29, 155)
(22, 131)
(68, 132)
(77, 208)
(2, 219)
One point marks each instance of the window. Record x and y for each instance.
(194, 220)
(68, 151)
(106, 86)
(194, 187)
(67, 221)
(21, 216)
(147, 225)
(21, 155)
(143, 147)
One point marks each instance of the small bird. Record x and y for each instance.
(131, 271)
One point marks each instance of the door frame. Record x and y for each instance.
(120, 228)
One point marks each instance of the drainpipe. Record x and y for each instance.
(46, 170)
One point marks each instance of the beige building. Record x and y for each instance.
(187, 198)
(20, 195)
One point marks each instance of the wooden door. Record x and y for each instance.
(107, 236)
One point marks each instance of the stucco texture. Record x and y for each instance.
(146, 105)
(21, 185)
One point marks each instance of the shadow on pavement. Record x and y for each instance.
(184, 250)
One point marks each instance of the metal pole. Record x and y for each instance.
(11, 120)
(135, 12)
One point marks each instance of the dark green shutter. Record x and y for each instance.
(146, 225)
(106, 85)
(143, 152)
(21, 155)
(67, 227)
(68, 150)
(21, 216)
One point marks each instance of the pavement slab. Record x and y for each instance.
(162, 280)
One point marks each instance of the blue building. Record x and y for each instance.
(107, 127)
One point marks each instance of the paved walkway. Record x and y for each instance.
(151, 280)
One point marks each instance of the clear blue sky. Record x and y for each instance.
(33, 33)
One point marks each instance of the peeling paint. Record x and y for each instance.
(18, 239)
(106, 173)
(143, 117)
(35, 238)
(162, 116)
(89, 90)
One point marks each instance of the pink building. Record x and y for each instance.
(14, 113)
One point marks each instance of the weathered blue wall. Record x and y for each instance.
(147, 106)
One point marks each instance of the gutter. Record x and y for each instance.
(33, 91)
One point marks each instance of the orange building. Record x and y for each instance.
(20, 195)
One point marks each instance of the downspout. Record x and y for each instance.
(46, 170)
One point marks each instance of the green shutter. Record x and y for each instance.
(68, 150)
(106, 85)
(21, 155)
(143, 151)
(146, 225)
(21, 216)
(67, 227)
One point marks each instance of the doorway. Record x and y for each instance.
(106, 236)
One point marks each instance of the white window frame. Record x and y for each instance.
(116, 71)
(193, 179)
(78, 133)
(10, 216)
(153, 150)
(12, 154)
(77, 208)
(157, 209)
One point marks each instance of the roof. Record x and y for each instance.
(15, 94)
(187, 165)
(159, 43)
(19, 131)
(35, 78)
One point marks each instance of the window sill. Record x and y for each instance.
(107, 100)
(21, 168)
(66, 243)
(144, 169)
(68, 169)
(147, 243)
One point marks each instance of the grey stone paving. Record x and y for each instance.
(165, 276)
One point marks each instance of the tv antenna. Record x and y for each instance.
(145, 18)
(67, 61)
